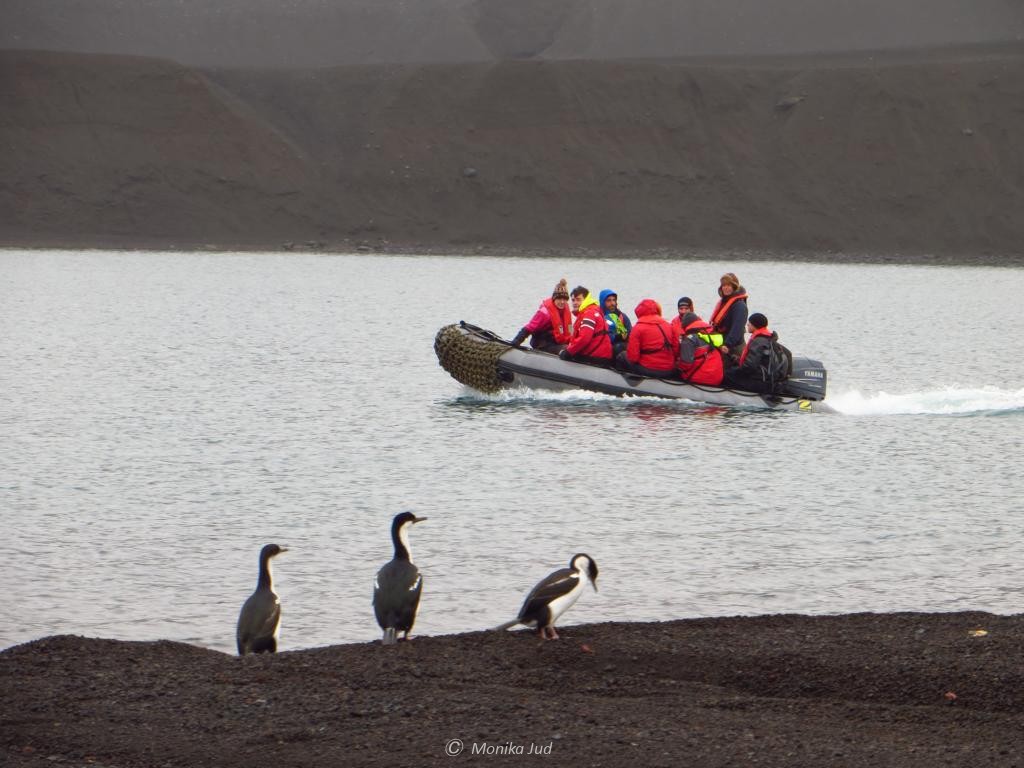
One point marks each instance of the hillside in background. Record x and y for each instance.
(901, 153)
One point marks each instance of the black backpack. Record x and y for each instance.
(776, 364)
(689, 343)
(687, 348)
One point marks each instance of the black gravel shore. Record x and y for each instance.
(865, 689)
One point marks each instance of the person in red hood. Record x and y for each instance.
(652, 349)
(590, 340)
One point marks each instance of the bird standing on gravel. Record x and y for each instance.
(260, 618)
(554, 595)
(397, 588)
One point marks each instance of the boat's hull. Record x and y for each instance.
(513, 367)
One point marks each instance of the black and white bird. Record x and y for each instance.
(554, 595)
(397, 588)
(260, 618)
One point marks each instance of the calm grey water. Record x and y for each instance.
(165, 415)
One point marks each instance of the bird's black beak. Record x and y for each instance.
(418, 519)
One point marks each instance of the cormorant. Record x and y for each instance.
(554, 595)
(260, 618)
(397, 588)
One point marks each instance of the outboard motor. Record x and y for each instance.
(807, 380)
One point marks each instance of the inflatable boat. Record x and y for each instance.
(484, 361)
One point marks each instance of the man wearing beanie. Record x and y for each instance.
(685, 307)
(763, 363)
(551, 325)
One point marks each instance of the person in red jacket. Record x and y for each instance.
(550, 328)
(590, 340)
(684, 305)
(700, 362)
(652, 349)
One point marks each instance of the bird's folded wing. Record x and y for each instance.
(559, 583)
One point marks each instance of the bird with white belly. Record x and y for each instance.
(554, 595)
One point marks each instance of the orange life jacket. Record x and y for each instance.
(722, 309)
(697, 326)
(561, 321)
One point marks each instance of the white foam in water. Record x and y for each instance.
(568, 396)
(939, 401)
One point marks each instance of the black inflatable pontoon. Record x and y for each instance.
(481, 359)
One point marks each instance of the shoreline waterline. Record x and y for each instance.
(628, 253)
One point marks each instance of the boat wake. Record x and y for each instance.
(949, 401)
(584, 398)
(523, 395)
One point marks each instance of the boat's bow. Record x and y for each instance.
(470, 355)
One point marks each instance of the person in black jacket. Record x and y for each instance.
(730, 314)
(751, 374)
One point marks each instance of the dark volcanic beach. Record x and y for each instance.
(866, 689)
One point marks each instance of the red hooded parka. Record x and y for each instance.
(652, 343)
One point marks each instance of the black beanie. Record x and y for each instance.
(684, 300)
(758, 320)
